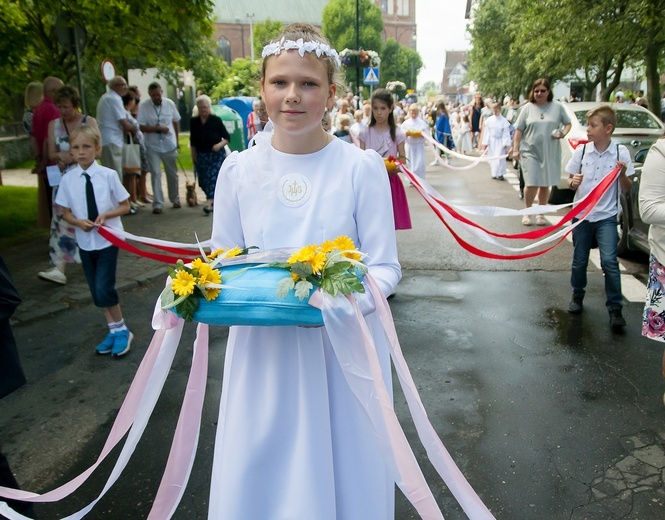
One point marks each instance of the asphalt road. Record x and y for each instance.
(550, 416)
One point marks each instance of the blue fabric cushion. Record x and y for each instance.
(251, 300)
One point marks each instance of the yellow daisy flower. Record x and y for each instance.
(318, 262)
(306, 254)
(234, 251)
(295, 277)
(328, 246)
(211, 293)
(215, 254)
(184, 283)
(204, 272)
(196, 264)
(344, 243)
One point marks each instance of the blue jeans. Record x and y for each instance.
(99, 268)
(605, 232)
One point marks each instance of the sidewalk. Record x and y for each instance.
(41, 298)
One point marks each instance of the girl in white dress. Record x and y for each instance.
(414, 128)
(292, 440)
(465, 135)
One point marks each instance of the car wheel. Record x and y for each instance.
(622, 229)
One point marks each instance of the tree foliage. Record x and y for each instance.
(339, 26)
(264, 33)
(167, 34)
(590, 41)
(399, 63)
(242, 78)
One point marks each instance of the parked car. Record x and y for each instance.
(637, 129)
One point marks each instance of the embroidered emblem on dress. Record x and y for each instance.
(294, 190)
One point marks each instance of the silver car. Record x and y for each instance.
(637, 129)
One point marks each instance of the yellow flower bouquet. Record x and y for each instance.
(414, 133)
(200, 279)
(391, 166)
(334, 266)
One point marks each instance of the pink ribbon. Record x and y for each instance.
(345, 324)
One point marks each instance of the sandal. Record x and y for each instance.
(526, 220)
(540, 220)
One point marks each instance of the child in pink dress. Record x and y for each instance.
(384, 136)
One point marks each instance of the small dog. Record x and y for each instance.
(191, 194)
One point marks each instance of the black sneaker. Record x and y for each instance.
(575, 306)
(617, 322)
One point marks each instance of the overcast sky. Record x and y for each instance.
(441, 28)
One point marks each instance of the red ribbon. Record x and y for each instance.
(590, 201)
(108, 235)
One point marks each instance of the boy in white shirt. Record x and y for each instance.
(587, 167)
(92, 196)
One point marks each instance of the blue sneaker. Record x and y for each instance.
(122, 343)
(106, 346)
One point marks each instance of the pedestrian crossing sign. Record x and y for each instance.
(371, 76)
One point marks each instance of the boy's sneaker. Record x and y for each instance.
(122, 342)
(617, 322)
(106, 346)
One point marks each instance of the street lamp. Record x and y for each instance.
(251, 34)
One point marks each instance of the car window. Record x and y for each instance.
(627, 119)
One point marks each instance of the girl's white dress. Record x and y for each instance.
(465, 138)
(415, 146)
(292, 441)
(496, 136)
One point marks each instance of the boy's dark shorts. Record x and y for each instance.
(99, 267)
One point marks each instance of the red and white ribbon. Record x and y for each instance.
(482, 158)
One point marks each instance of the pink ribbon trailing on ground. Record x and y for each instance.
(360, 363)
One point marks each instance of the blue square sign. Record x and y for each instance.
(371, 76)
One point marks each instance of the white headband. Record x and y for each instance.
(274, 48)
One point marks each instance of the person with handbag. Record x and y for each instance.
(62, 241)
(131, 155)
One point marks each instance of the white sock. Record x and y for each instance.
(117, 326)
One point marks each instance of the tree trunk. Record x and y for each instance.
(609, 88)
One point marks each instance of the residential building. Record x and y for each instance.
(454, 86)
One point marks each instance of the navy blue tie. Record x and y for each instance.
(93, 212)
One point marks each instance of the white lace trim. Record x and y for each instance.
(274, 48)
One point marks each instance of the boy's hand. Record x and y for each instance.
(623, 167)
(100, 220)
(86, 224)
(576, 180)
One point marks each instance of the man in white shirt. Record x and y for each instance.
(113, 124)
(158, 119)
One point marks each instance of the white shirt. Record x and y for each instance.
(110, 111)
(164, 115)
(109, 193)
(594, 167)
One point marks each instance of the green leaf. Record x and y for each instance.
(284, 286)
(303, 289)
(302, 269)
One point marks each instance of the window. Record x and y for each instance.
(224, 49)
(384, 6)
(402, 7)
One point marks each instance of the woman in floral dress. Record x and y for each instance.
(62, 241)
(652, 211)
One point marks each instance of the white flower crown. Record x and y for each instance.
(274, 48)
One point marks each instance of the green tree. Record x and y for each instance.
(339, 26)
(264, 33)
(399, 63)
(151, 33)
(242, 79)
(495, 64)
